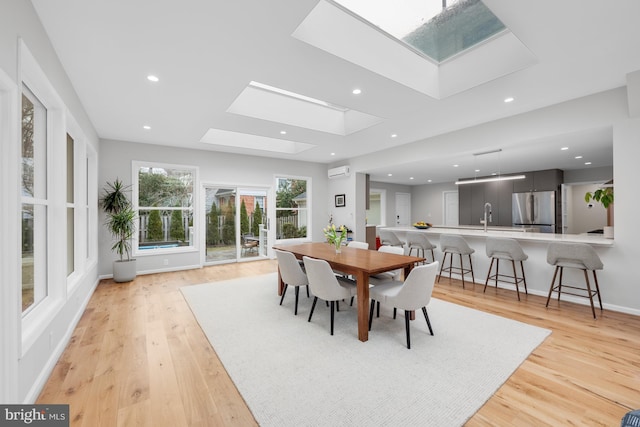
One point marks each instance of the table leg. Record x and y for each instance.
(362, 280)
(280, 283)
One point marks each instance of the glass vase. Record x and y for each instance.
(338, 245)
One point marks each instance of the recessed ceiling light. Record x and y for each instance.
(578, 157)
(509, 99)
(587, 163)
(333, 154)
(394, 135)
(283, 132)
(477, 170)
(564, 148)
(146, 127)
(152, 78)
(410, 177)
(455, 166)
(356, 91)
(428, 180)
(389, 174)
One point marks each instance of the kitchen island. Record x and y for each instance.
(537, 272)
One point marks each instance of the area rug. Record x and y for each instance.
(294, 373)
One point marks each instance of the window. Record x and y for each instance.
(70, 207)
(292, 208)
(164, 199)
(34, 200)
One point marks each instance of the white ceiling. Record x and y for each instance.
(206, 53)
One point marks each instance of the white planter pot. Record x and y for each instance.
(607, 232)
(124, 271)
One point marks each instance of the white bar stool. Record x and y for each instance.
(454, 244)
(509, 250)
(418, 241)
(574, 255)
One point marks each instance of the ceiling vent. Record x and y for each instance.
(338, 172)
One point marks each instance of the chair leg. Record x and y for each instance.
(515, 278)
(351, 304)
(297, 292)
(307, 291)
(373, 303)
(284, 291)
(313, 306)
(595, 279)
(553, 281)
(337, 305)
(395, 310)
(332, 306)
(378, 309)
(497, 271)
(444, 258)
(473, 279)
(486, 282)
(560, 283)
(586, 279)
(426, 317)
(461, 271)
(406, 325)
(433, 257)
(524, 280)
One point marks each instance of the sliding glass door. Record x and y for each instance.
(235, 223)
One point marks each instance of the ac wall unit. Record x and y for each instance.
(338, 172)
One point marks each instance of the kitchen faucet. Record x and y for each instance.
(486, 205)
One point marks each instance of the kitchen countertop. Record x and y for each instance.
(514, 233)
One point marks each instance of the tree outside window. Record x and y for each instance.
(291, 208)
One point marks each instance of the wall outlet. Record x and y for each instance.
(165, 262)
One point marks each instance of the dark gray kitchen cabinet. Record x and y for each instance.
(464, 204)
(545, 180)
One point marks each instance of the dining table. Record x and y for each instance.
(360, 263)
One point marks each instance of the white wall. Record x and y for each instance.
(214, 167)
(427, 202)
(584, 216)
(29, 363)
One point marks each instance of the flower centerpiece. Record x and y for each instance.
(335, 236)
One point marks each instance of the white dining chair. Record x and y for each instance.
(358, 245)
(292, 275)
(412, 294)
(389, 238)
(326, 285)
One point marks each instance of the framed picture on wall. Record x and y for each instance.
(340, 200)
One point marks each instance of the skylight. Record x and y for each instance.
(265, 102)
(436, 28)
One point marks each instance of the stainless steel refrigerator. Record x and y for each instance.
(536, 210)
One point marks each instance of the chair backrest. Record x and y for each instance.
(358, 245)
(391, 250)
(418, 239)
(574, 253)
(501, 247)
(290, 269)
(416, 291)
(388, 237)
(322, 281)
(455, 244)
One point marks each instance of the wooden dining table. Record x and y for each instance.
(361, 263)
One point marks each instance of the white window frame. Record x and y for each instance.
(194, 247)
(38, 317)
(309, 208)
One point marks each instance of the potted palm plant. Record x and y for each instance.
(120, 222)
(604, 196)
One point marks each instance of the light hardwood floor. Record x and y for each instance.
(139, 358)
